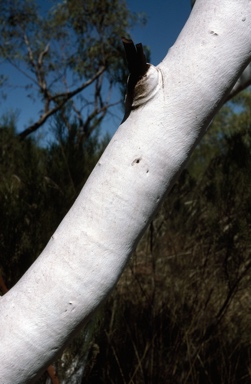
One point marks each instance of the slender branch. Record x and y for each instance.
(42, 54)
(61, 100)
(38, 67)
(95, 113)
(137, 66)
(70, 94)
(42, 81)
(242, 83)
(136, 59)
(21, 71)
(40, 121)
(30, 54)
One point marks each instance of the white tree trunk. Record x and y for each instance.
(173, 106)
(243, 81)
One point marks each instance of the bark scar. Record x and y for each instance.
(143, 80)
(136, 59)
(136, 161)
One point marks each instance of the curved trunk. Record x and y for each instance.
(172, 107)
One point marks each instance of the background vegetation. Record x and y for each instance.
(181, 311)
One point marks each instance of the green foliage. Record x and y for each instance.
(21, 189)
(83, 34)
(72, 52)
(37, 188)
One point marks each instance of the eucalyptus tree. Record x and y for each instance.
(169, 107)
(68, 53)
(243, 81)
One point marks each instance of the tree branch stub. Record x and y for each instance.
(137, 66)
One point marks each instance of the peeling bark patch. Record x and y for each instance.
(136, 161)
(213, 33)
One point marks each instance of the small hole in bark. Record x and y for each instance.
(136, 161)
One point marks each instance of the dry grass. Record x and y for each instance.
(177, 315)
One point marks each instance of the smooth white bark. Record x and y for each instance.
(243, 82)
(90, 248)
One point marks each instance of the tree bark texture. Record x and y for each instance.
(172, 107)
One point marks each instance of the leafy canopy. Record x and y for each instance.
(62, 52)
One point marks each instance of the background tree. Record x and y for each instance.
(73, 61)
(72, 54)
(37, 188)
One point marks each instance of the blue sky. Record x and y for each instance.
(165, 20)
